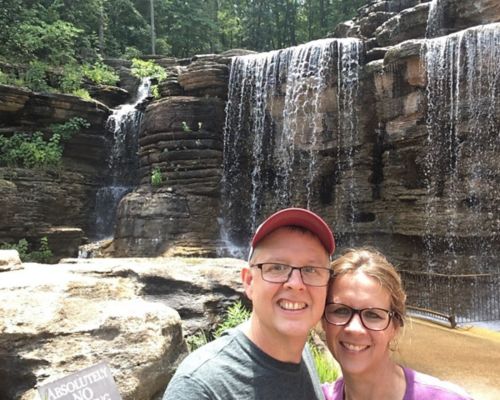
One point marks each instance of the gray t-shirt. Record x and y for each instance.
(232, 367)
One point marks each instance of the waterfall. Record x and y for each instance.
(435, 19)
(463, 83)
(461, 168)
(123, 162)
(349, 54)
(276, 125)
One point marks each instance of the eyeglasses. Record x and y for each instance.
(374, 319)
(281, 273)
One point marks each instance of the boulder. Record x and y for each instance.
(9, 260)
(165, 222)
(112, 96)
(410, 23)
(59, 319)
(204, 78)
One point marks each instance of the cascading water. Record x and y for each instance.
(275, 127)
(463, 85)
(435, 19)
(123, 162)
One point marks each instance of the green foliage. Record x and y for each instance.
(197, 340)
(52, 42)
(67, 129)
(131, 52)
(72, 78)
(82, 93)
(327, 371)
(236, 314)
(10, 79)
(148, 69)
(100, 74)
(35, 77)
(155, 92)
(30, 151)
(156, 177)
(42, 255)
(33, 150)
(62, 31)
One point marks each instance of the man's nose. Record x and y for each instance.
(295, 279)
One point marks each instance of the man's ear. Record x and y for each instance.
(247, 279)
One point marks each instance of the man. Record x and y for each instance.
(286, 279)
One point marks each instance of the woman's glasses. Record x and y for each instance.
(374, 319)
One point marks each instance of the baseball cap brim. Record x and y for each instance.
(296, 217)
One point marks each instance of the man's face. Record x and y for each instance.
(285, 311)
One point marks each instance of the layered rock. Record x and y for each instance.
(181, 136)
(59, 203)
(59, 319)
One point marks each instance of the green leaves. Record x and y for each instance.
(100, 74)
(33, 150)
(148, 69)
(42, 255)
(156, 177)
(59, 32)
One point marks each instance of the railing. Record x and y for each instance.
(456, 298)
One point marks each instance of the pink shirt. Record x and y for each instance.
(418, 387)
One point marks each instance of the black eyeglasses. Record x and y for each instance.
(281, 273)
(374, 319)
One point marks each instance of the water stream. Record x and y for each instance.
(463, 84)
(123, 162)
(276, 125)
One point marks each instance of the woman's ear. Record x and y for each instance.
(247, 279)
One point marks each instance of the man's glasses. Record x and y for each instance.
(374, 319)
(281, 273)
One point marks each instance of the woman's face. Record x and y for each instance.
(359, 350)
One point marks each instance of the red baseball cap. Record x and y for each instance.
(296, 217)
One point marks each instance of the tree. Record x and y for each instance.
(153, 36)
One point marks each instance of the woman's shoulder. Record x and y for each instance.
(423, 386)
(334, 390)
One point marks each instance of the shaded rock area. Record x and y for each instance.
(37, 203)
(112, 96)
(59, 319)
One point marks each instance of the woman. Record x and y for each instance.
(364, 314)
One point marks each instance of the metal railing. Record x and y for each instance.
(456, 298)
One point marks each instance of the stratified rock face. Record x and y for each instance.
(408, 24)
(204, 78)
(59, 319)
(182, 137)
(37, 203)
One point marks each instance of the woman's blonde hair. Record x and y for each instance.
(374, 264)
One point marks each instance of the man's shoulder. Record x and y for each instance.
(211, 354)
(214, 371)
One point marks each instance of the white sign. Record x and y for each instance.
(93, 383)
